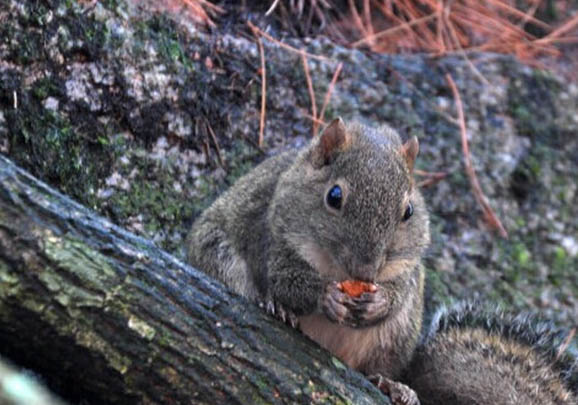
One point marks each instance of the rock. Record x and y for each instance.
(111, 90)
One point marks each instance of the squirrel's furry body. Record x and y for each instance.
(346, 207)
(473, 355)
(275, 236)
(382, 349)
(227, 242)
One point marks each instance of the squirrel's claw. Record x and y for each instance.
(400, 394)
(278, 311)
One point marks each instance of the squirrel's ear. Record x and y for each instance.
(409, 150)
(333, 139)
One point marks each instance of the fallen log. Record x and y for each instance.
(105, 316)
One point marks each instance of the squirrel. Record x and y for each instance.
(345, 207)
(477, 355)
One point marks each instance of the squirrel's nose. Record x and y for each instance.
(366, 272)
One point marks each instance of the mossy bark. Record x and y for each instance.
(107, 317)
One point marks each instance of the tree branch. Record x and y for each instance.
(107, 317)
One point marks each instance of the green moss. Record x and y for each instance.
(173, 50)
(30, 50)
(525, 181)
(78, 259)
(521, 113)
(163, 207)
(458, 179)
(532, 104)
(560, 256)
(520, 222)
(72, 151)
(563, 267)
(264, 386)
(167, 39)
(167, 209)
(111, 4)
(338, 364)
(44, 87)
(516, 261)
(46, 143)
(437, 291)
(9, 283)
(241, 158)
(522, 255)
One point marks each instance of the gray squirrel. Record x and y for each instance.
(346, 207)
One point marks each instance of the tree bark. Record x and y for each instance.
(107, 317)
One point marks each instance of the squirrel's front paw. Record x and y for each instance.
(280, 312)
(400, 394)
(370, 307)
(336, 305)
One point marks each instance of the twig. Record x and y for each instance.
(424, 173)
(454, 36)
(318, 121)
(392, 30)
(367, 18)
(356, 18)
(424, 34)
(564, 40)
(439, 27)
(416, 37)
(311, 92)
(212, 6)
(263, 92)
(432, 177)
(489, 214)
(253, 143)
(330, 90)
(256, 29)
(263, 83)
(528, 16)
(568, 26)
(200, 12)
(216, 143)
(206, 150)
(272, 8)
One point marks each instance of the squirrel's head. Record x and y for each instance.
(349, 204)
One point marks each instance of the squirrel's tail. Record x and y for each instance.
(476, 355)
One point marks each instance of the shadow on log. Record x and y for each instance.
(107, 317)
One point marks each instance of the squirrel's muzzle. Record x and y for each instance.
(366, 272)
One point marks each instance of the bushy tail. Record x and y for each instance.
(474, 354)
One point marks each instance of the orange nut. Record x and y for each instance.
(355, 288)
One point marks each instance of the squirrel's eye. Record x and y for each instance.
(335, 197)
(408, 212)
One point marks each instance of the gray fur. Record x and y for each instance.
(474, 354)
